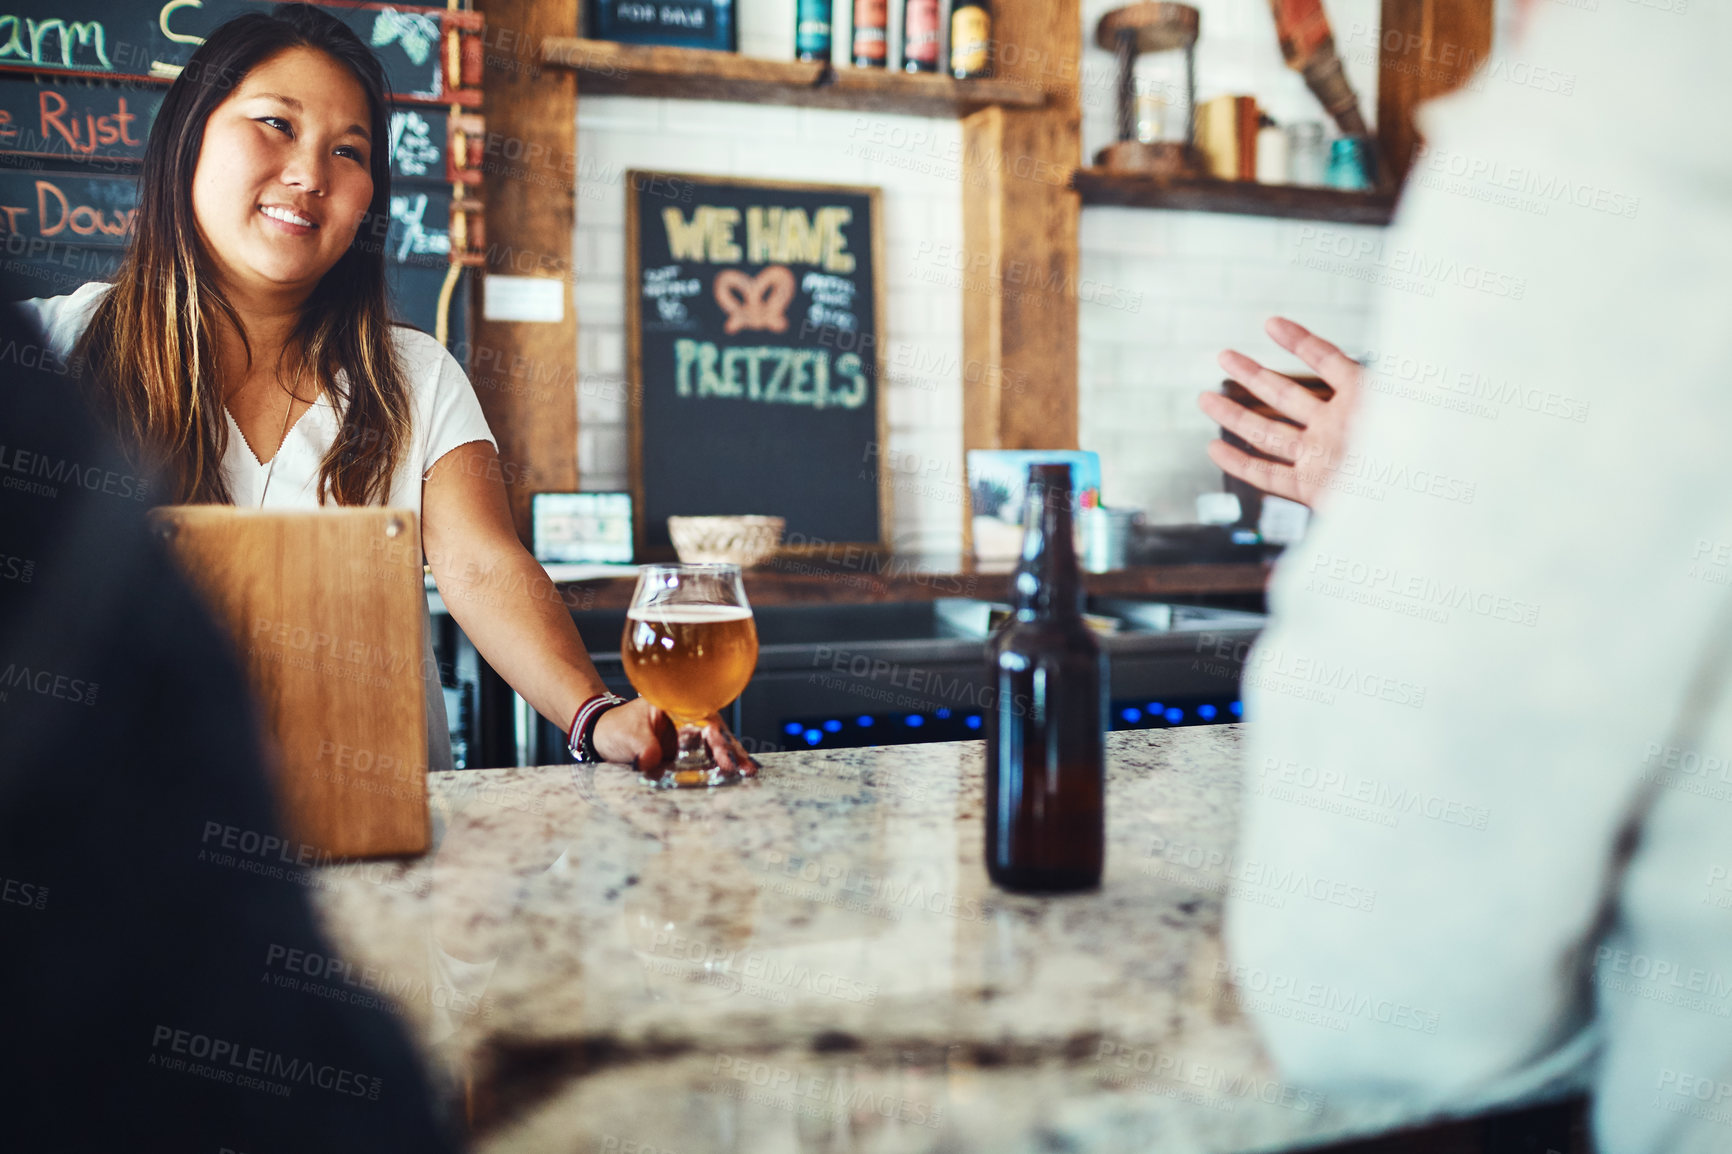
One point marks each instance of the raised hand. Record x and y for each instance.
(1308, 455)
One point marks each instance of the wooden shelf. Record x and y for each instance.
(609, 69)
(1240, 197)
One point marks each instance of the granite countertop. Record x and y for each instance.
(817, 962)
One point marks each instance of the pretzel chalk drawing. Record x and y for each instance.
(759, 302)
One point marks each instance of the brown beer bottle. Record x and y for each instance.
(1045, 769)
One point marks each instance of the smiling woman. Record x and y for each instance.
(278, 154)
(223, 320)
(283, 206)
(245, 352)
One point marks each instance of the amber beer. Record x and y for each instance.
(690, 660)
(1045, 771)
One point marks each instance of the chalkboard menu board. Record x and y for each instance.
(155, 38)
(752, 316)
(81, 82)
(103, 124)
(39, 208)
(69, 154)
(681, 23)
(61, 229)
(104, 127)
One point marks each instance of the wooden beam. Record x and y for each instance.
(525, 373)
(1019, 238)
(1425, 49)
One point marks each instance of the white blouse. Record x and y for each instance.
(444, 415)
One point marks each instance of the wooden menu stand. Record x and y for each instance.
(327, 611)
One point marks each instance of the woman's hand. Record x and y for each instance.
(516, 617)
(639, 734)
(505, 603)
(1308, 455)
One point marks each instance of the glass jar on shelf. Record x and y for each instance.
(1307, 156)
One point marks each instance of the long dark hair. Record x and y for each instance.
(151, 342)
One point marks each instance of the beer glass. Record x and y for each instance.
(689, 649)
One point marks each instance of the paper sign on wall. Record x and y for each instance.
(523, 298)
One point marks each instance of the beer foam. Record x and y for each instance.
(678, 614)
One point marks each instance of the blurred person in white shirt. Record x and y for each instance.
(1494, 685)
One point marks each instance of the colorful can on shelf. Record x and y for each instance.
(871, 33)
(812, 30)
(920, 36)
(971, 40)
(1350, 164)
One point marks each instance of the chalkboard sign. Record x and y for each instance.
(681, 23)
(81, 208)
(156, 38)
(82, 81)
(51, 270)
(752, 319)
(420, 139)
(105, 126)
(43, 208)
(58, 269)
(61, 229)
(84, 123)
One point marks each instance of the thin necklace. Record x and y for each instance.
(282, 439)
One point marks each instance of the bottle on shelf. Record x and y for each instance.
(971, 39)
(1045, 737)
(920, 35)
(871, 33)
(812, 30)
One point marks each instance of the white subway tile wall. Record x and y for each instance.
(1162, 293)
(913, 159)
(1159, 293)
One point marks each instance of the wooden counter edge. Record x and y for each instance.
(792, 581)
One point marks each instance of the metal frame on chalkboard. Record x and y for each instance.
(634, 350)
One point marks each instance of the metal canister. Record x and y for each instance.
(1106, 538)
